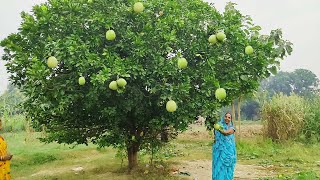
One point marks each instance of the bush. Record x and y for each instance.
(283, 117)
(311, 129)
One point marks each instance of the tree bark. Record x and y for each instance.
(239, 117)
(132, 151)
(234, 116)
(165, 134)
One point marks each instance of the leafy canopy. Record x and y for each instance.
(145, 52)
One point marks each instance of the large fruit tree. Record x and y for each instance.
(120, 72)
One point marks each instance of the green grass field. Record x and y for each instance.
(35, 160)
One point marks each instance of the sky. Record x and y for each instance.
(299, 21)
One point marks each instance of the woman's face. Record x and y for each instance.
(227, 118)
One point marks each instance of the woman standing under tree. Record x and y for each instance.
(224, 150)
(4, 159)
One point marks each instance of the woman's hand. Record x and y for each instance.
(218, 127)
(227, 132)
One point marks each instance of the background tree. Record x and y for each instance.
(302, 82)
(250, 109)
(145, 52)
(10, 101)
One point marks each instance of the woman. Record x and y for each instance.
(224, 150)
(4, 159)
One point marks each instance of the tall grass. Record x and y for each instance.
(284, 117)
(15, 123)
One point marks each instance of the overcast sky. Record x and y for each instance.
(298, 19)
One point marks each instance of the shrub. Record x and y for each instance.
(283, 117)
(311, 128)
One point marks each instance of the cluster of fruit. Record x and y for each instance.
(119, 84)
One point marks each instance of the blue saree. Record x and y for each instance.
(223, 154)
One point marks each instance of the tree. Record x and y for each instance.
(145, 53)
(302, 82)
(251, 109)
(10, 101)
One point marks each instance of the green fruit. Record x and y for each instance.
(221, 93)
(212, 39)
(248, 50)
(138, 7)
(221, 36)
(273, 70)
(121, 89)
(110, 35)
(171, 106)
(82, 80)
(217, 126)
(113, 85)
(182, 63)
(52, 62)
(90, 1)
(121, 82)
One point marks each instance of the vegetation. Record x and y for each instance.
(283, 116)
(68, 58)
(302, 82)
(32, 158)
(311, 130)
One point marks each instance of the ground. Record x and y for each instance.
(193, 164)
(201, 169)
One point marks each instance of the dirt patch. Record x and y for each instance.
(251, 130)
(201, 170)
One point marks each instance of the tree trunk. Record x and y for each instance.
(239, 117)
(233, 112)
(234, 116)
(133, 155)
(165, 134)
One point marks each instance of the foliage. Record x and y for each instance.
(302, 82)
(283, 116)
(253, 150)
(145, 54)
(10, 101)
(311, 128)
(304, 175)
(14, 123)
(250, 108)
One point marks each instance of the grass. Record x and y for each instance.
(35, 160)
(286, 158)
(15, 123)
